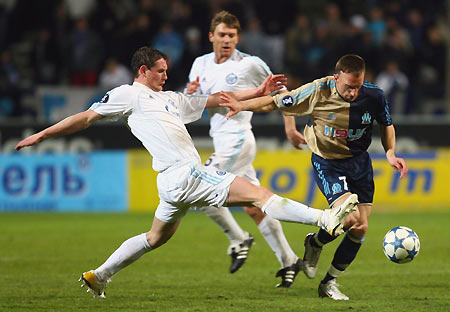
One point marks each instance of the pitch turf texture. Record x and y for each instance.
(42, 256)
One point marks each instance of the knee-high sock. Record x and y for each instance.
(284, 209)
(321, 238)
(224, 219)
(343, 257)
(273, 234)
(130, 250)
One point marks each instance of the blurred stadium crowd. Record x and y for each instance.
(406, 43)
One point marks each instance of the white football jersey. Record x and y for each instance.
(240, 72)
(157, 119)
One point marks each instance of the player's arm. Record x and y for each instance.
(260, 104)
(271, 84)
(69, 125)
(293, 135)
(388, 141)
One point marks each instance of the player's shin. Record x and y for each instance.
(224, 219)
(272, 232)
(343, 257)
(284, 209)
(130, 250)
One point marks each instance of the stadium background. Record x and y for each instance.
(69, 53)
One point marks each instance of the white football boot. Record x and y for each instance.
(333, 219)
(331, 290)
(310, 257)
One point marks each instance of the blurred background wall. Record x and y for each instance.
(57, 57)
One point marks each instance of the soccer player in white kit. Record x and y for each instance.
(228, 69)
(157, 119)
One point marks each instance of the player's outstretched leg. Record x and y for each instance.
(283, 209)
(130, 250)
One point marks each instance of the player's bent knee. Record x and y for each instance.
(350, 221)
(359, 230)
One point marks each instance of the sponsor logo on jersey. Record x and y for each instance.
(231, 79)
(366, 118)
(287, 101)
(175, 113)
(352, 134)
(221, 173)
(171, 102)
(105, 98)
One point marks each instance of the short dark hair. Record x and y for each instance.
(145, 56)
(227, 18)
(350, 63)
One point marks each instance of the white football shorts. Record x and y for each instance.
(235, 152)
(191, 185)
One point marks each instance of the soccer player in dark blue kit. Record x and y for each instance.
(342, 109)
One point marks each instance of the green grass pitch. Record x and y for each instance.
(42, 256)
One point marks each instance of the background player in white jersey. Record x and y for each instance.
(228, 69)
(157, 119)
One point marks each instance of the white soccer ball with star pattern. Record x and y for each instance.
(401, 244)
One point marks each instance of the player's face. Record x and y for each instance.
(224, 41)
(348, 85)
(156, 76)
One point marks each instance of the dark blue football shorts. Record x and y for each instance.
(339, 176)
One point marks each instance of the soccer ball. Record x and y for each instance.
(401, 244)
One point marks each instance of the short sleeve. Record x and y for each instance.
(114, 104)
(383, 116)
(298, 102)
(191, 107)
(257, 71)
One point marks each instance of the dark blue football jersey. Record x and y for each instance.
(336, 129)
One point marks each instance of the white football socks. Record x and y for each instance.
(273, 234)
(284, 209)
(224, 219)
(130, 250)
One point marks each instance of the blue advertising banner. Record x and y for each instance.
(68, 182)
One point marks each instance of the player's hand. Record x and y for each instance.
(272, 83)
(398, 164)
(231, 103)
(296, 138)
(31, 140)
(192, 86)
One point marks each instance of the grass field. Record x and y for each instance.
(42, 256)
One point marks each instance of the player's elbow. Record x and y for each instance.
(268, 108)
(89, 118)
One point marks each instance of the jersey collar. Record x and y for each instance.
(140, 85)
